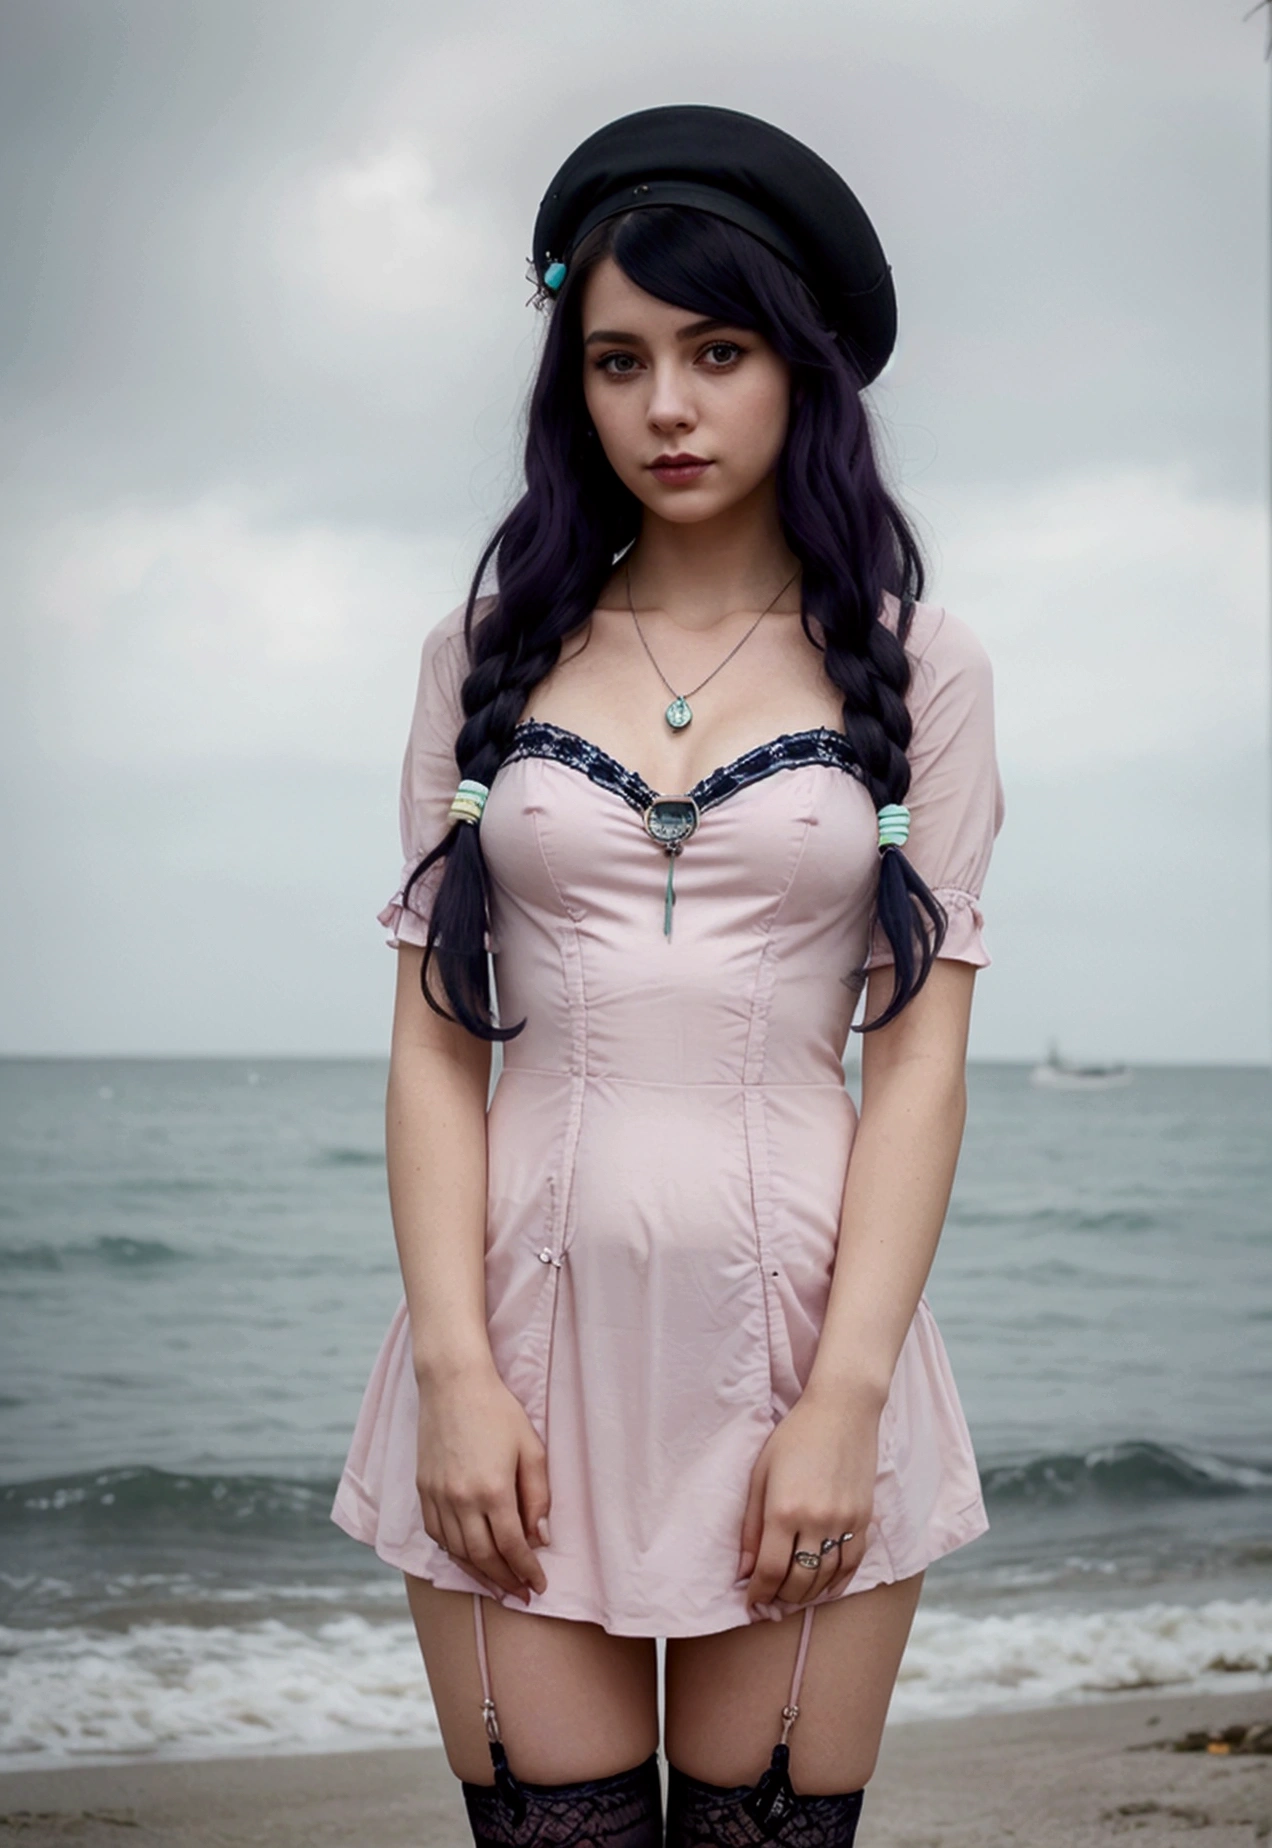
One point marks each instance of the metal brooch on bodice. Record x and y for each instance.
(670, 820)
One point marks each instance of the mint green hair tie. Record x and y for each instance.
(894, 825)
(554, 276)
(468, 801)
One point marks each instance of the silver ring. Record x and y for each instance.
(810, 1560)
(843, 1537)
(826, 1546)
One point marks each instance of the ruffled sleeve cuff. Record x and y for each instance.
(964, 939)
(407, 922)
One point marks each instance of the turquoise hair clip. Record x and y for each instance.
(894, 825)
(554, 276)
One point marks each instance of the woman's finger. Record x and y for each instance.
(454, 1543)
(452, 1533)
(773, 1561)
(533, 1495)
(851, 1554)
(515, 1551)
(432, 1519)
(752, 1523)
(838, 1580)
(803, 1581)
(836, 1562)
(456, 1546)
(482, 1552)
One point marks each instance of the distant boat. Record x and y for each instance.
(1060, 1074)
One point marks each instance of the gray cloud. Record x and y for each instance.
(265, 341)
(1072, 202)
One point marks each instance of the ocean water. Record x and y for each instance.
(196, 1268)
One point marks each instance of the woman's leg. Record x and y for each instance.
(572, 1711)
(725, 1696)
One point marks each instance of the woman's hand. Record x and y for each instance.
(482, 1476)
(813, 1480)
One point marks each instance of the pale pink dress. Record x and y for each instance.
(669, 1136)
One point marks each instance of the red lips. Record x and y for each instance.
(680, 468)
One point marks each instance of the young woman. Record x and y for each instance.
(701, 768)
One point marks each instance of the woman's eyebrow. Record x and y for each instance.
(696, 328)
(603, 335)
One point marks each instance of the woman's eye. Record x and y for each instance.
(718, 355)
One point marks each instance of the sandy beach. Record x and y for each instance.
(1062, 1777)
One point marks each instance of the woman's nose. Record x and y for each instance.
(670, 403)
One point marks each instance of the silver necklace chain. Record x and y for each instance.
(679, 706)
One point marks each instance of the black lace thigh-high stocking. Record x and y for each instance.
(711, 1816)
(703, 1815)
(623, 1810)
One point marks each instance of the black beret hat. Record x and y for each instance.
(743, 170)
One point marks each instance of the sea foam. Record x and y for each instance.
(956, 1663)
(181, 1690)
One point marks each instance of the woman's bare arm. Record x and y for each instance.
(482, 1472)
(435, 1140)
(901, 1171)
(815, 1477)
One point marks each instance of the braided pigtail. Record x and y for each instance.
(506, 667)
(878, 725)
(855, 544)
(493, 695)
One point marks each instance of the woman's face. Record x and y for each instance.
(691, 413)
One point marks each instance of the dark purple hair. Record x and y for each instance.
(556, 549)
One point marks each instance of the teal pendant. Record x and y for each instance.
(679, 713)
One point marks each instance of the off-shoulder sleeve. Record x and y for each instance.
(429, 776)
(956, 795)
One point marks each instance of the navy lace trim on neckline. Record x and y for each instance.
(819, 745)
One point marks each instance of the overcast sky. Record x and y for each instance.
(265, 337)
